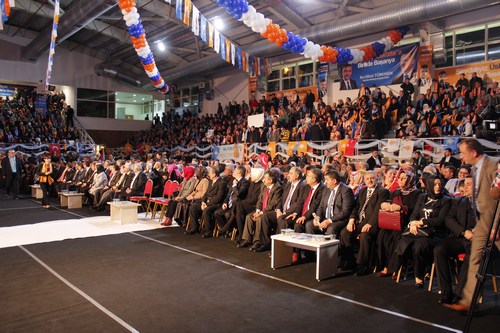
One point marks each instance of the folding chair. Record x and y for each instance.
(151, 201)
(174, 187)
(148, 189)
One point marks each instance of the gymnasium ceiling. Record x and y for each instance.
(103, 35)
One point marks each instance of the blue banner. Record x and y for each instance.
(5, 91)
(203, 28)
(223, 47)
(178, 9)
(323, 81)
(390, 68)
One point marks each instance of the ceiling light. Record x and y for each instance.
(161, 46)
(219, 25)
(134, 95)
(117, 99)
(143, 98)
(135, 101)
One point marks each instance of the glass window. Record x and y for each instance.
(289, 71)
(92, 109)
(92, 94)
(494, 33)
(111, 96)
(470, 55)
(494, 52)
(273, 86)
(195, 90)
(468, 38)
(275, 74)
(448, 42)
(306, 68)
(305, 81)
(449, 60)
(289, 84)
(185, 92)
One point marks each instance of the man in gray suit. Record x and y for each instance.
(483, 173)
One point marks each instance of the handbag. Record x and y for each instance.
(390, 220)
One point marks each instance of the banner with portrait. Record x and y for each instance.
(425, 68)
(323, 81)
(390, 68)
(489, 71)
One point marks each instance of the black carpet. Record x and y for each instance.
(192, 284)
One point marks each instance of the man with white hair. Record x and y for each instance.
(138, 182)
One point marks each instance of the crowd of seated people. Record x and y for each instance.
(443, 109)
(338, 198)
(21, 122)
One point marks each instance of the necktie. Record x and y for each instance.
(368, 196)
(288, 199)
(230, 201)
(307, 202)
(264, 201)
(348, 85)
(329, 209)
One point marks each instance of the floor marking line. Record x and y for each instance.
(83, 294)
(17, 208)
(393, 313)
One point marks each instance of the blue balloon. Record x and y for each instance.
(155, 78)
(148, 60)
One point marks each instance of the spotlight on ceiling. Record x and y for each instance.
(161, 47)
(219, 25)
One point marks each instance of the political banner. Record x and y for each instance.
(425, 72)
(489, 71)
(322, 81)
(230, 152)
(256, 120)
(390, 68)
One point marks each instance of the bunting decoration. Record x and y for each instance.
(241, 11)
(5, 6)
(141, 46)
(190, 15)
(52, 47)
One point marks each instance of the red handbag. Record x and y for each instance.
(390, 220)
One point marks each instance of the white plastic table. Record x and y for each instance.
(71, 200)
(124, 211)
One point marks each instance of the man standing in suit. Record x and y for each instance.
(363, 223)
(483, 173)
(269, 200)
(346, 82)
(209, 203)
(292, 201)
(11, 171)
(225, 215)
(335, 208)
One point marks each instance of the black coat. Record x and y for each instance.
(371, 211)
(342, 205)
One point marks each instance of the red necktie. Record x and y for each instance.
(306, 203)
(264, 201)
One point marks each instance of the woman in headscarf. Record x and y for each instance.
(188, 186)
(426, 228)
(173, 173)
(44, 171)
(356, 182)
(198, 191)
(402, 200)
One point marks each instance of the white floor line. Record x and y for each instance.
(84, 295)
(393, 313)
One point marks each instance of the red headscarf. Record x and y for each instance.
(188, 172)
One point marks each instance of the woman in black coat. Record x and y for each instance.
(402, 200)
(426, 228)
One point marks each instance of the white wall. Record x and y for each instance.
(231, 87)
(104, 124)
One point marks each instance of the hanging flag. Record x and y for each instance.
(393, 145)
(271, 148)
(406, 150)
(246, 64)
(55, 149)
(343, 146)
(302, 147)
(350, 148)
(222, 47)
(251, 65)
(203, 28)
(187, 12)
(233, 54)
(211, 30)
(452, 143)
(196, 21)
(178, 9)
(52, 46)
(228, 50)
(217, 41)
(240, 63)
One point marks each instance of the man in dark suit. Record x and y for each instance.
(269, 200)
(363, 223)
(247, 205)
(461, 222)
(225, 215)
(11, 171)
(312, 201)
(375, 160)
(346, 83)
(138, 182)
(448, 158)
(66, 175)
(292, 201)
(209, 203)
(335, 208)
